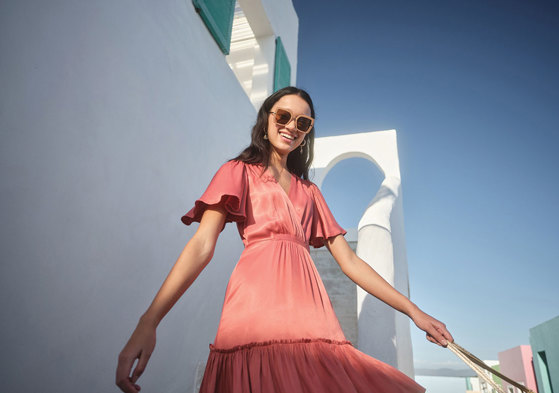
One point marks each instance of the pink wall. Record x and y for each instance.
(516, 363)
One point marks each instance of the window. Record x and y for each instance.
(282, 69)
(544, 372)
(218, 17)
(244, 34)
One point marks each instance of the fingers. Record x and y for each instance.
(128, 387)
(434, 340)
(429, 338)
(141, 366)
(436, 331)
(123, 381)
(439, 335)
(445, 333)
(435, 335)
(123, 368)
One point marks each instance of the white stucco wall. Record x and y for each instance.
(253, 44)
(383, 332)
(113, 117)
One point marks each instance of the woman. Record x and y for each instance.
(278, 331)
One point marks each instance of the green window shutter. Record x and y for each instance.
(282, 69)
(218, 17)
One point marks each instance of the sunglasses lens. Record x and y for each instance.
(304, 124)
(282, 117)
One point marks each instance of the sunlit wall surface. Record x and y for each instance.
(114, 117)
(516, 363)
(544, 339)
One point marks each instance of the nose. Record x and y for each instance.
(293, 120)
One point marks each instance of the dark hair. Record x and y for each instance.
(258, 152)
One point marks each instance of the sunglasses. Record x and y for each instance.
(284, 116)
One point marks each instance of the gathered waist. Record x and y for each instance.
(280, 237)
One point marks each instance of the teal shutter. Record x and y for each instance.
(218, 17)
(282, 69)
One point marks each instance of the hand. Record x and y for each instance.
(140, 346)
(435, 330)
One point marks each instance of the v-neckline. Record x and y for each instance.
(288, 192)
(291, 180)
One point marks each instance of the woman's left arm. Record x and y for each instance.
(367, 278)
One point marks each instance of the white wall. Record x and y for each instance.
(113, 117)
(383, 332)
(285, 23)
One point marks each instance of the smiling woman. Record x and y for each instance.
(287, 127)
(278, 331)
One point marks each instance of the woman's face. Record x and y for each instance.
(285, 139)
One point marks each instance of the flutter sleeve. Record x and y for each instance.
(324, 224)
(227, 188)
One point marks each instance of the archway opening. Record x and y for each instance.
(349, 187)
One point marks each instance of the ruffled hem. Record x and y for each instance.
(228, 188)
(301, 366)
(231, 203)
(324, 224)
(320, 241)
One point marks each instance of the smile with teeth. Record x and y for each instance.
(287, 136)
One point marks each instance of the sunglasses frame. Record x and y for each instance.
(296, 119)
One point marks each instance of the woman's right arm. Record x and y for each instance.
(193, 259)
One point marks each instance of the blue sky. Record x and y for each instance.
(473, 92)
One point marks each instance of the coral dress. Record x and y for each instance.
(278, 332)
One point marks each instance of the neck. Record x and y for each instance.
(278, 161)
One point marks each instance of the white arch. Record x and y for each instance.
(383, 332)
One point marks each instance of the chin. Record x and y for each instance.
(282, 151)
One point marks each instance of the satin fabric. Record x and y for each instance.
(278, 331)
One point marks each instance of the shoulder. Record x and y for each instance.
(310, 187)
(231, 171)
(250, 169)
(238, 164)
(307, 183)
(232, 163)
(232, 167)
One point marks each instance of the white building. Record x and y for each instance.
(114, 117)
(379, 240)
(478, 385)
